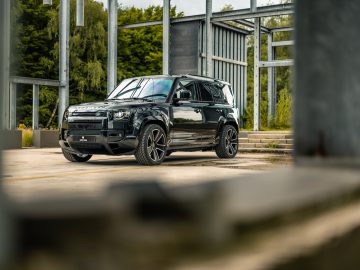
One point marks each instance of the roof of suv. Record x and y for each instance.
(192, 76)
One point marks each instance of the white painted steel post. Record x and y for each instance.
(257, 91)
(166, 36)
(13, 106)
(79, 12)
(35, 109)
(112, 45)
(209, 39)
(64, 57)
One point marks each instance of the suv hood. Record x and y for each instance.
(108, 105)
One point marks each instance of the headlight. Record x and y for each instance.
(121, 115)
(66, 115)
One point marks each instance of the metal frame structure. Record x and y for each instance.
(237, 16)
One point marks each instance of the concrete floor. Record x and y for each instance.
(40, 173)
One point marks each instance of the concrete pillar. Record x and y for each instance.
(35, 107)
(209, 39)
(166, 36)
(257, 42)
(64, 57)
(327, 80)
(13, 96)
(112, 45)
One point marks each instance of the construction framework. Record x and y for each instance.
(240, 16)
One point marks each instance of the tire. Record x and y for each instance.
(152, 146)
(75, 158)
(228, 142)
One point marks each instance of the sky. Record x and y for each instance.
(192, 7)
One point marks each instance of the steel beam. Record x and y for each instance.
(257, 91)
(13, 96)
(166, 36)
(277, 63)
(112, 45)
(47, 2)
(209, 39)
(233, 15)
(64, 57)
(35, 107)
(271, 81)
(226, 60)
(251, 25)
(26, 80)
(79, 12)
(266, 11)
(283, 43)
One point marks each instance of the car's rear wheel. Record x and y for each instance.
(152, 146)
(228, 143)
(75, 157)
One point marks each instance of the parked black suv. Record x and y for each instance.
(153, 116)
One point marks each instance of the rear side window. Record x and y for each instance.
(228, 94)
(211, 91)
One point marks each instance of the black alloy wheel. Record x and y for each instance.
(152, 146)
(228, 143)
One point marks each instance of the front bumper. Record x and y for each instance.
(107, 143)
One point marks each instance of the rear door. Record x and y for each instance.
(186, 115)
(213, 101)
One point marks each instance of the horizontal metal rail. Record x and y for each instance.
(227, 60)
(282, 43)
(277, 63)
(282, 29)
(34, 81)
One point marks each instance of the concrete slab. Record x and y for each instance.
(35, 173)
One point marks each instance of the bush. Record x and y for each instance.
(283, 117)
(27, 136)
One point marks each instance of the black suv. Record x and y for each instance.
(153, 116)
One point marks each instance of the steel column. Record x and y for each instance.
(257, 91)
(112, 45)
(166, 36)
(271, 81)
(79, 12)
(64, 57)
(35, 109)
(253, 5)
(12, 106)
(5, 65)
(209, 39)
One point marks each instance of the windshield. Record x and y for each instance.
(143, 88)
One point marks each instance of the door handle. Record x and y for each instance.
(197, 110)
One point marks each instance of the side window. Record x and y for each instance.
(186, 90)
(228, 94)
(205, 91)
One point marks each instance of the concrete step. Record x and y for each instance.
(270, 136)
(266, 145)
(276, 141)
(265, 150)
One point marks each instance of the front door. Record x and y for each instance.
(186, 115)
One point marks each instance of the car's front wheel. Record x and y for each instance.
(75, 157)
(228, 142)
(152, 146)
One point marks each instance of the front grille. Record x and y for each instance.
(86, 125)
(91, 114)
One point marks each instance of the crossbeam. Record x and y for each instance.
(277, 63)
(36, 81)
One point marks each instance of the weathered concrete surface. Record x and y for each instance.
(45, 138)
(36, 173)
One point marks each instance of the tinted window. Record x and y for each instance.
(205, 92)
(156, 89)
(186, 89)
(228, 95)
